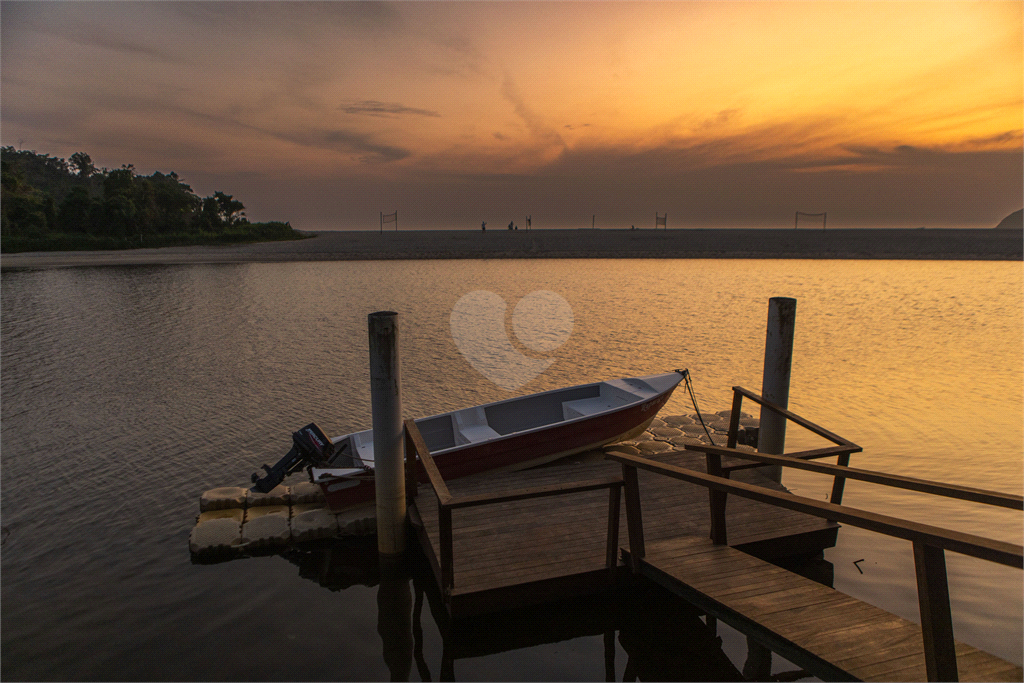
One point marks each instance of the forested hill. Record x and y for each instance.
(52, 203)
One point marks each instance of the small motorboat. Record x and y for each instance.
(513, 434)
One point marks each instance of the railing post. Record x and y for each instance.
(778, 365)
(612, 557)
(734, 419)
(936, 620)
(388, 442)
(444, 524)
(839, 482)
(634, 518)
(716, 501)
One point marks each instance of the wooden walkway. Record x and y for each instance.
(532, 551)
(535, 551)
(699, 523)
(830, 634)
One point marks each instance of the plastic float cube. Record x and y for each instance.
(222, 498)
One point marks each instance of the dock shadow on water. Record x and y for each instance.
(635, 631)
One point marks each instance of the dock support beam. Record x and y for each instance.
(778, 364)
(936, 620)
(388, 437)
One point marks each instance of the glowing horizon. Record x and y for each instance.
(323, 113)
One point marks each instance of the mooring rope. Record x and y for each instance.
(693, 399)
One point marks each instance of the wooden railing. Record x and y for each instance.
(929, 541)
(416, 449)
(843, 447)
(713, 456)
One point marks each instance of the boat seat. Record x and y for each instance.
(364, 451)
(589, 406)
(471, 426)
(631, 388)
(475, 433)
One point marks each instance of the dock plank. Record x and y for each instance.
(828, 633)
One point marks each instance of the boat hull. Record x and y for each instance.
(518, 451)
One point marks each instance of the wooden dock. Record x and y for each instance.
(820, 629)
(532, 551)
(501, 541)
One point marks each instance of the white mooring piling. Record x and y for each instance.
(778, 364)
(388, 441)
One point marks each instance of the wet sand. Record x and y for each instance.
(932, 244)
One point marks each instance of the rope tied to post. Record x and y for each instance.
(693, 399)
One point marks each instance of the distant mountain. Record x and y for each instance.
(1015, 221)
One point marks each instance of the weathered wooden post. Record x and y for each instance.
(778, 364)
(388, 439)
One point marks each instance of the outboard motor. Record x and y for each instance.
(310, 445)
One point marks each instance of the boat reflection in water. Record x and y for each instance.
(662, 636)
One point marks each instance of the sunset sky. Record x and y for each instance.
(889, 114)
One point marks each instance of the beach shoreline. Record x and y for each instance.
(709, 243)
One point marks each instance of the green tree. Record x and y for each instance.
(174, 202)
(24, 209)
(44, 195)
(119, 181)
(229, 210)
(75, 211)
(25, 214)
(118, 216)
(82, 163)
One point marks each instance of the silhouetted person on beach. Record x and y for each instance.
(483, 226)
(510, 225)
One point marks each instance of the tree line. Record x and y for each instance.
(71, 201)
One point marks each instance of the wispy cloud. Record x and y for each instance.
(306, 20)
(375, 108)
(360, 145)
(538, 127)
(98, 37)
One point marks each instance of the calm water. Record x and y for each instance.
(127, 392)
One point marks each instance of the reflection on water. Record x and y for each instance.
(127, 392)
(645, 633)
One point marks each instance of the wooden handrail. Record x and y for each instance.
(446, 502)
(419, 448)
(535, 492)
(999, 552)
(813, 454)
(806, 424)
(929, 541)
(838, 484)
(794, 460)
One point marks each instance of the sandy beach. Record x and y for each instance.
(932, 244)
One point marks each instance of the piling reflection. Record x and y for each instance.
(665, 639)
(395, 619)
(647, 633)
(337, 565)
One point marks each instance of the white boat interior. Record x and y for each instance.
(461, 428)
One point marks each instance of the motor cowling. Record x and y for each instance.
(309, 446)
